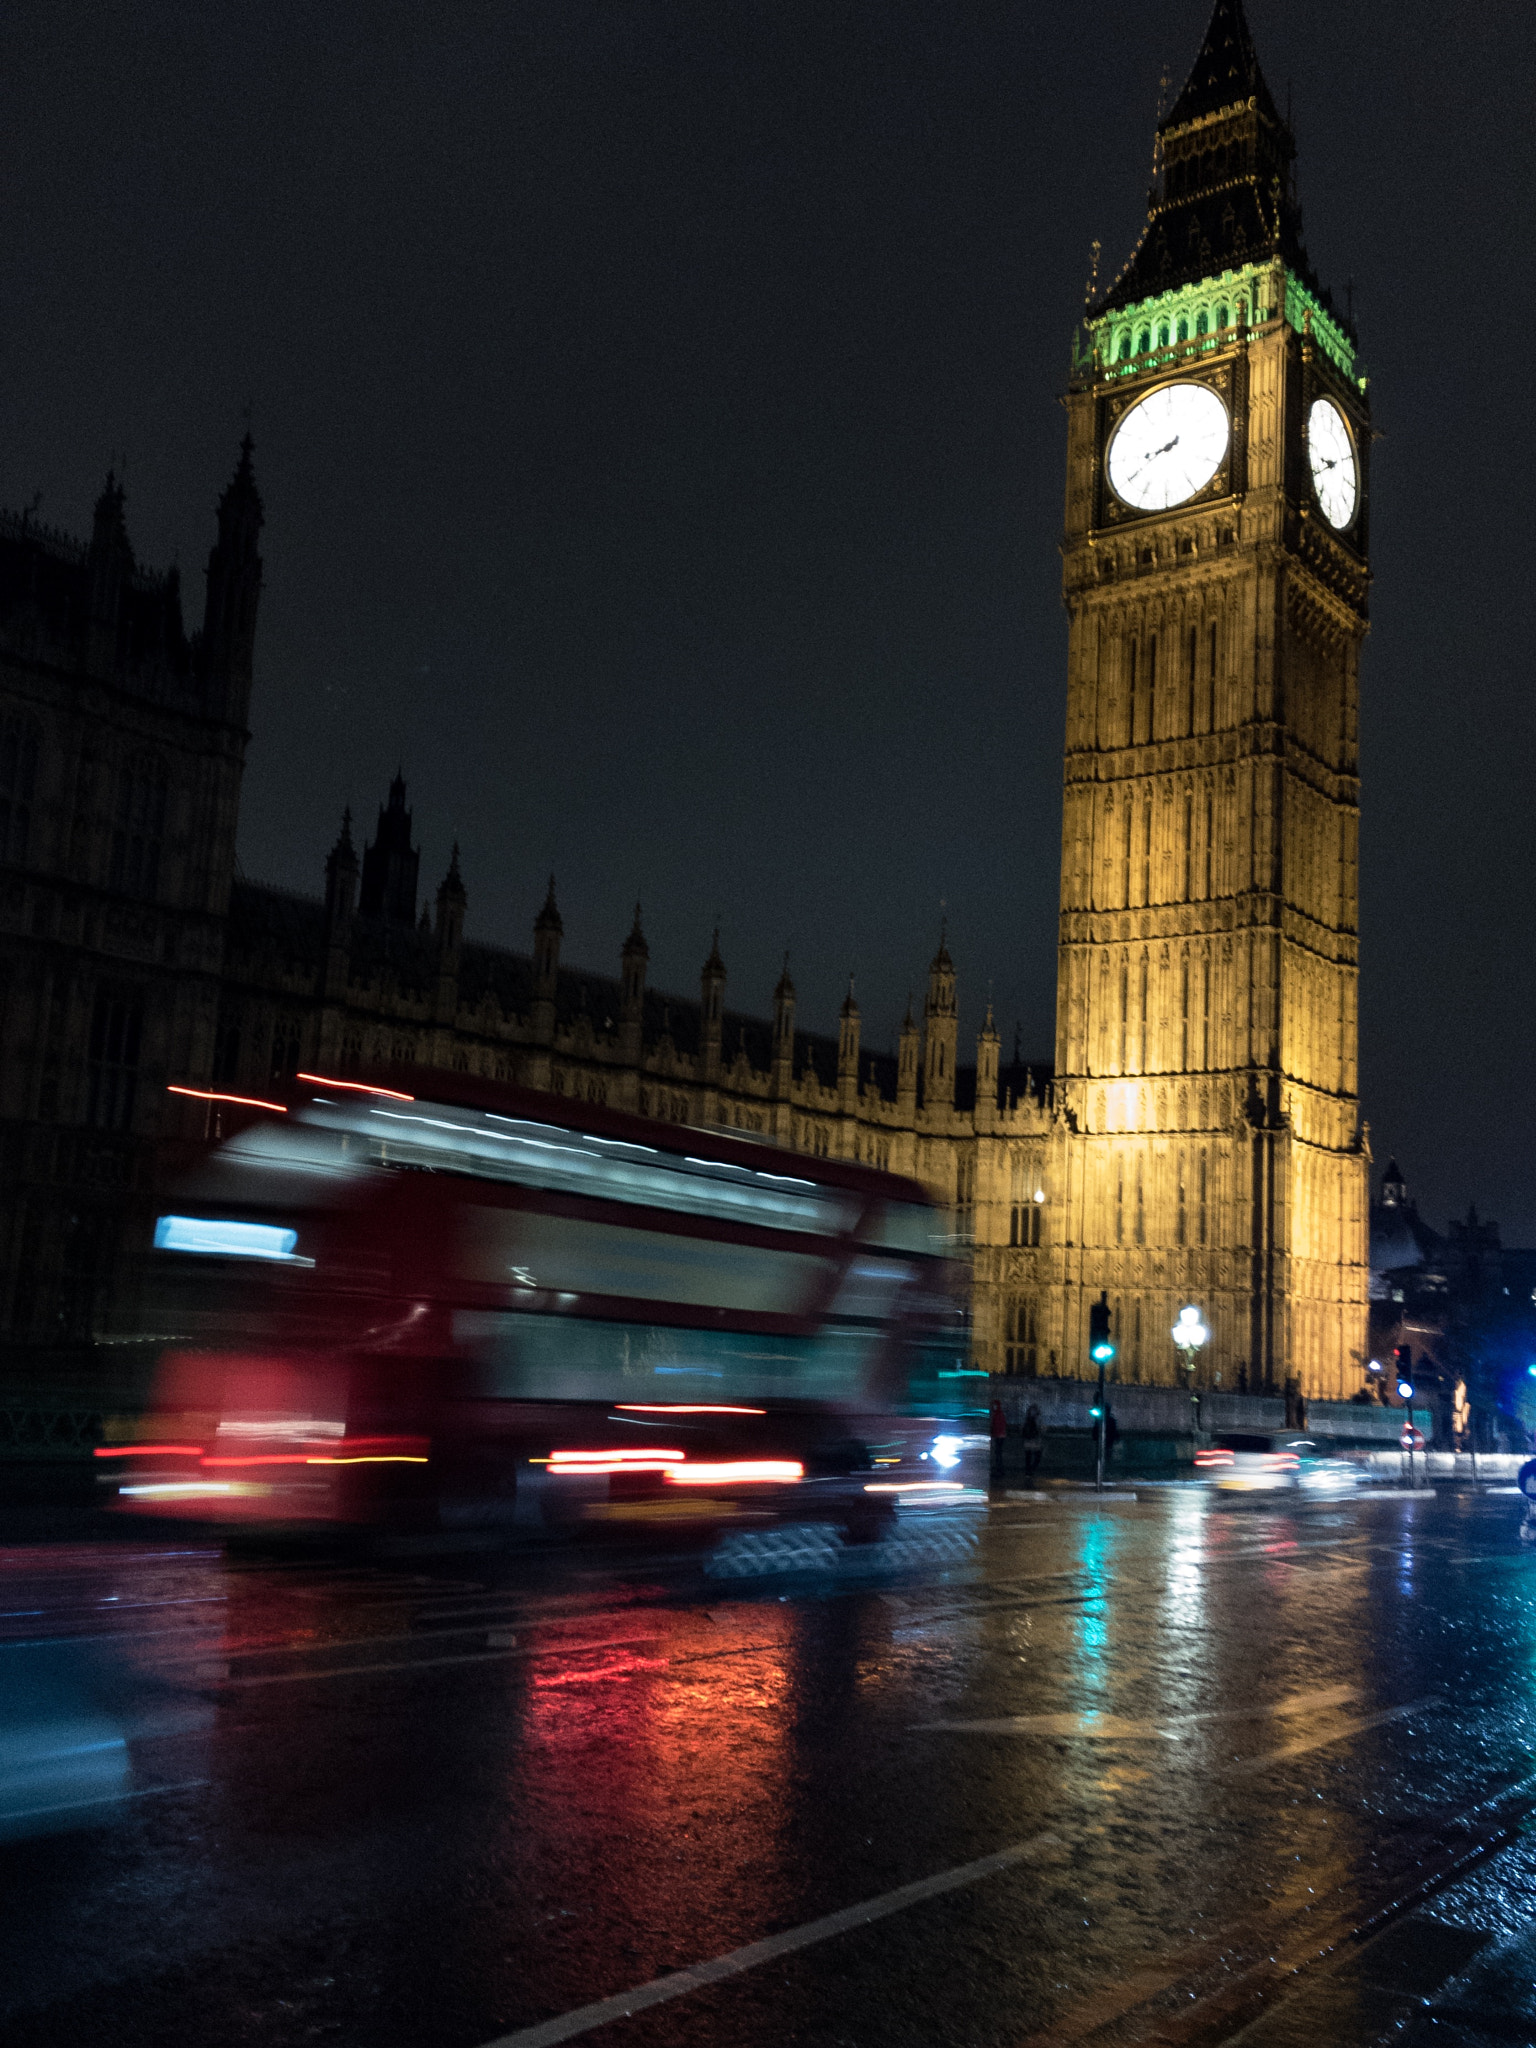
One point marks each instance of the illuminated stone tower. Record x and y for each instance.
(1215, 578)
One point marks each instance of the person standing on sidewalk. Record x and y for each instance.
(999, 1437)
(1033, 1434)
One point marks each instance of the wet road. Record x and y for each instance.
(1060, 1772)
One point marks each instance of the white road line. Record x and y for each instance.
(109, 1800)
(1303, 1743)
(739, 1960)
(1118, 1728)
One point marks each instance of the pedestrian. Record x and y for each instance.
(1033, 1434)
(1111, 1434)
(999, 1437)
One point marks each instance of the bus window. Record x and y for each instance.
(548, 1156)
(572, 1358)
(906, 1227)
(870, 1289)
(533, 1249)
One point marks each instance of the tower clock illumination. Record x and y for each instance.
(1168, 447)
(1331, 456)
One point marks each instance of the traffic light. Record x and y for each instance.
(1101, 1346)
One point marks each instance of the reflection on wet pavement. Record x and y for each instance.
(1134, 1771)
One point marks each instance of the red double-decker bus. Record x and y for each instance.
(488, 1306)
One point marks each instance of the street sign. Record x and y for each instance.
(1411, 1439)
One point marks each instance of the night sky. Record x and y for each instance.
(656, 413)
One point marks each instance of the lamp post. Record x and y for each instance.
(1189, 1334)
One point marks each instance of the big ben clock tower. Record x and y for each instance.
(1215, 578)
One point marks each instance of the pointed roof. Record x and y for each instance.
(785, 986)
(1225, 73)
(343, 854)
(941, 962)
(850, 1007)
(714, 964)
(548, 919)
(452, 883)
(635, 943)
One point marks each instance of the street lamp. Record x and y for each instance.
(1189, 1333)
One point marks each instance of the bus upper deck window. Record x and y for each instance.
(906, 1227)
(550, 1157)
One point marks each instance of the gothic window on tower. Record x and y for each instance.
(1194, 666)
(1130, 692)
(1181, 1215)
(19, 743)
(138, 828)
(112, 1059)
(1151, 690)
(1021, 1334)
(1027, 1207)
(1141, 1204)
(965, 1197)
(1120, 1200)
(1200, 1210)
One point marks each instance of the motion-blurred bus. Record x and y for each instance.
(491, 1307)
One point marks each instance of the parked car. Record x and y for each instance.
(1281, 1462)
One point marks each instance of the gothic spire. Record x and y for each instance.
(1225, 73)
(549, 919)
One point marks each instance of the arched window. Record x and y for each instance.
(1162, 335)
(1125, 346)
(1130, 697)
(1021, 1335)
(1143, 341)
(18, 784)
(1221, 318)
(138, 828)
(1202, 322)
(1183, 327)
(112, 1059)
(1180, 1219)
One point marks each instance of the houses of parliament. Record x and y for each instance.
(1196, 1137)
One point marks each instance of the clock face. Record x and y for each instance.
(1168, 447)
(1331, 457)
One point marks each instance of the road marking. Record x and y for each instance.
(1305, 1742)
(1119, 1728)
(108, 1800)
(740, 1960)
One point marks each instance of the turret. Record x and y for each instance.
(987, 1052)
(547, 933)
(391, 862)
(941, 1025)
(783, 1033)
(711, 1011)
(906, 1069)
(340, 901)
(848, 1054)
(448, 933)
(234, 590)
(109, 565)
(1394, 1189)
(632, 965)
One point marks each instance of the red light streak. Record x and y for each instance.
(355, 1087)
(148, 1451)
(213, 1095)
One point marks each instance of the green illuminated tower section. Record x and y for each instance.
(1215, 579)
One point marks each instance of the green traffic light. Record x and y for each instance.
(1102, 1353)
